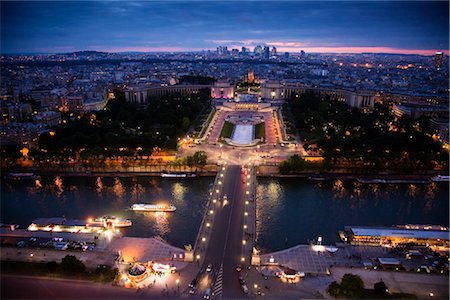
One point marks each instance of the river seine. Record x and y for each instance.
(290, 210)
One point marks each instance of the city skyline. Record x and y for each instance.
(177, 26)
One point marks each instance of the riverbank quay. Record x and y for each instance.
(107, 249)
(212, 170)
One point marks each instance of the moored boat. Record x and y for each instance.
(440, 178)
(109, 221)
(153, 207)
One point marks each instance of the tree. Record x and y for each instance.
(190, 161)
(72, 265)
(334, 289)
(200, 158)
(186, 122)
(352, 285)
(380, 288)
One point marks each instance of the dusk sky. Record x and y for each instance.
(60, 26)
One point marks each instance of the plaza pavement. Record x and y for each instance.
(304, 259)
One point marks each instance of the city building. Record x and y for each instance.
(266, 52)
(416, 110)
(386, 236)
(222, 90)
(142, 94)
(438, 59)
(275, 90)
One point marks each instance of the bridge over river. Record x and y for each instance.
(226, 236)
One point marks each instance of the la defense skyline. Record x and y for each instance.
(326, 27)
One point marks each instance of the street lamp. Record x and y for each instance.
(207, 224)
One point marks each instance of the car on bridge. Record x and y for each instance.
(192, 290)
(207, 294)
(209, 268)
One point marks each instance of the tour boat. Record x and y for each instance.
(108, 221)
(153, 207)
(22, 176)
(441, 178)
(165, 174)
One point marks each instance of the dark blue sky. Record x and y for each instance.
(60, 26)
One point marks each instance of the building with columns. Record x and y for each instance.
(222, 90)
(141, 94)
(275, 90)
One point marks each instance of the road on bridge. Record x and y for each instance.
(225, 245)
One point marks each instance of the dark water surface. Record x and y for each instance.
(84, 197)
(290, 210)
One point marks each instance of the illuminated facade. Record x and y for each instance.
(385, 236)
(222, 90)
(141, 95)
(273, 90)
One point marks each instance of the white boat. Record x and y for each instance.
(441, 178)
(153, 207)
(107, 221)
(173, 175)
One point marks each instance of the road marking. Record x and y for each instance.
(217, 289)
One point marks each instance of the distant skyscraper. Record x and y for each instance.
(244, 51)
(286, 54)
(302, 54)
(222, 50)
(266, 52)
(273, 52)
(258, 50)
(438, 59)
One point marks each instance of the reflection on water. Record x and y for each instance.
(305, 210)
(37, 184)
(178, 192)
(99, 185)
(59, 188)
(118, 189)
(84, 197)
(412, 190)
(338, 189)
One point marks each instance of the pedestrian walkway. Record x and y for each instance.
(217, 289)
(145, 249)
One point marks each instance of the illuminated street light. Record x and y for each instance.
(242, 259)
(203, 239)
(217, 191)
(243, 242)
(245, 226)
(246, 202)
(207, 224)
(256, 286)
(214, 200)
(198, 256)
(221, 175)
(247, 192)
(248, 183)
(246, 214)
(211, 212)
(220, 182)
